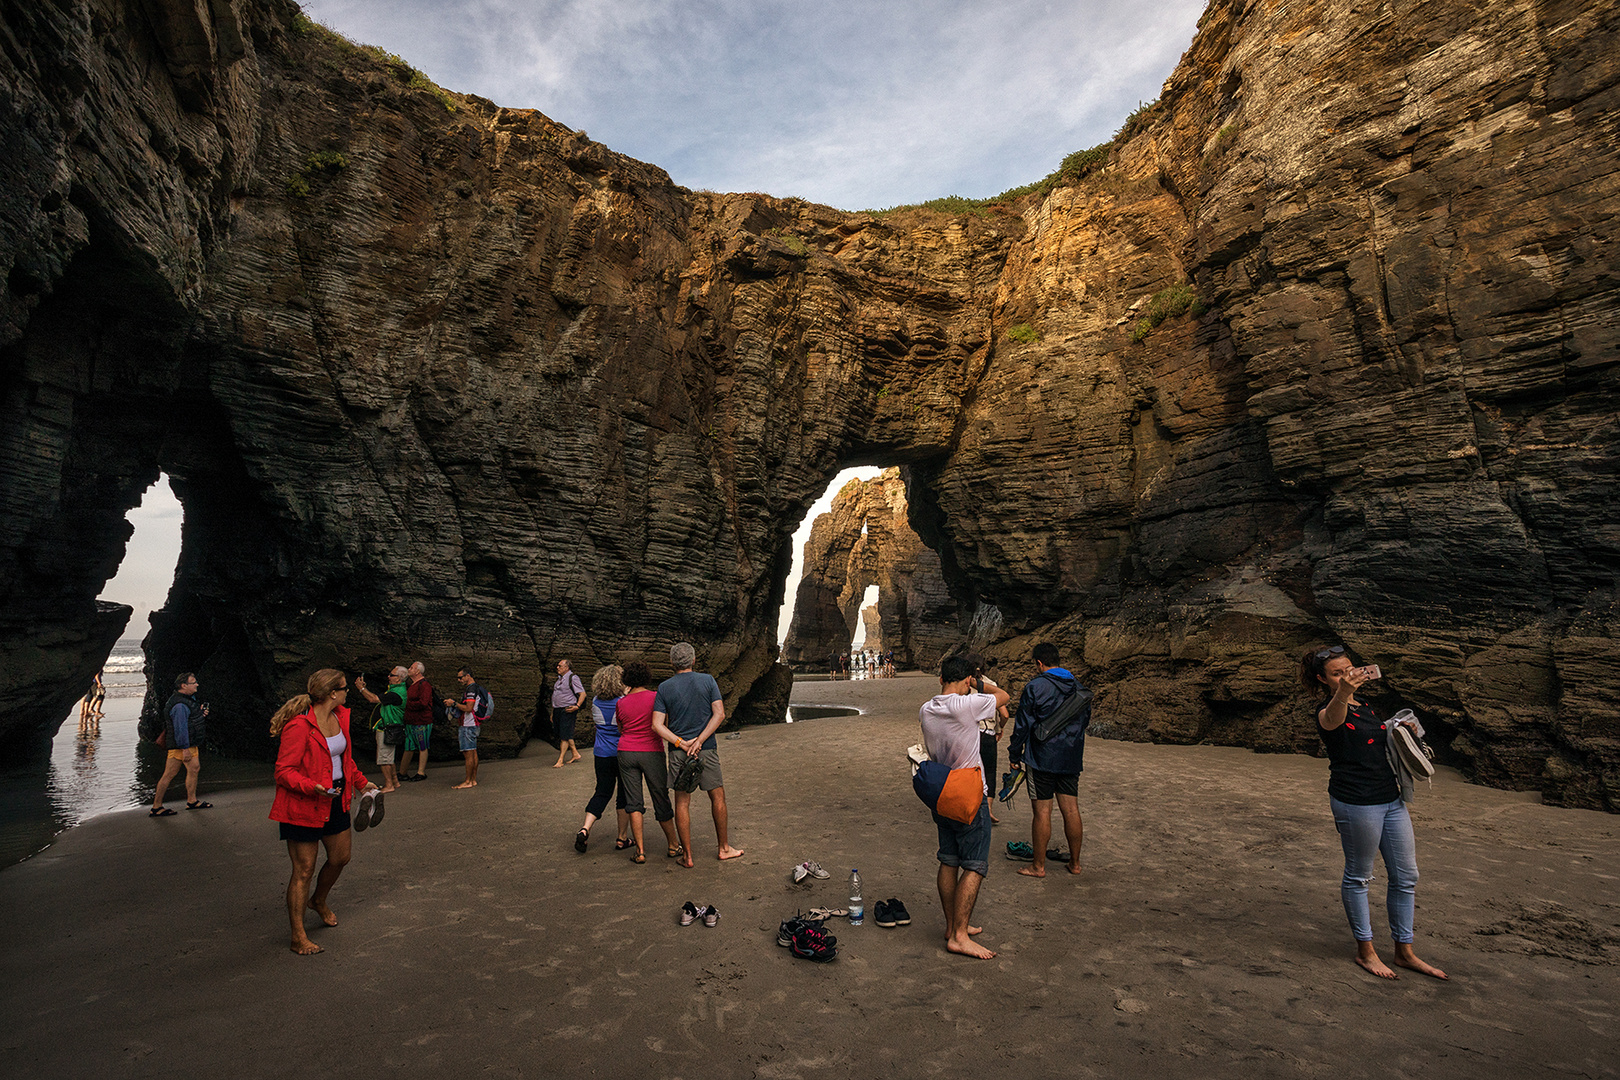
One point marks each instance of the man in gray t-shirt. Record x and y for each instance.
(686, 713)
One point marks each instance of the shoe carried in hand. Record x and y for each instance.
(1010, 783)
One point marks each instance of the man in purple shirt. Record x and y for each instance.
(567, 698)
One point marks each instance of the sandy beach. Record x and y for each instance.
(1205, 937)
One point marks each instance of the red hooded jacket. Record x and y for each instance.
(305, 764)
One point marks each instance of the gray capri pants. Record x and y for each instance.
(633, 766)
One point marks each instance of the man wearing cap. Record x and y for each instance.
(686, 713)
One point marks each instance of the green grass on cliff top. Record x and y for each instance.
(1072, 169)
(304, 25)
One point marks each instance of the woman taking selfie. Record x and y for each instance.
(1365, 795)
(315, 779)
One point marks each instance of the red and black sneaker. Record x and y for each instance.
(813, 943)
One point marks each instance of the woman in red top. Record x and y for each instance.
(641, 756)
(315, 778)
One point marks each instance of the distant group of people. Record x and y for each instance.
(863, 663)
(404, 719)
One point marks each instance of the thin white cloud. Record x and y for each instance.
(849, 103)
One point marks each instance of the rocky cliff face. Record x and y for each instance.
(442, 380)
(865, 539)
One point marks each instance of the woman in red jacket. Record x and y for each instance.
(315, 778)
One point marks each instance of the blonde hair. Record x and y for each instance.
(322, 685)
(608, 682)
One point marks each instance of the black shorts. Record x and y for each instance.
(1043, 785)
(337, 821)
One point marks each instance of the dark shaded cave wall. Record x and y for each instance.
(484, 391)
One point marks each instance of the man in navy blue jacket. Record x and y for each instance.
(1054, 763)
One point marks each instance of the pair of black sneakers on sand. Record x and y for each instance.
(890, 912)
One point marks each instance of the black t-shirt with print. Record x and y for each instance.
(1358, 762)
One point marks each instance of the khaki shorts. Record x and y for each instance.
(182, 755)
(385, 753)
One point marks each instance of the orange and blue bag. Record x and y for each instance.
(955, 794)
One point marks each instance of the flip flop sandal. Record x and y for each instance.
(199, 805)
(638, 858)
(161, 811)
(675, 852)
(579, 841)
(621, 843)
(828, 912)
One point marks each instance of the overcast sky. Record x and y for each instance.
(855, 104)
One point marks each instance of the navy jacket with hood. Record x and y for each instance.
(1064, 752)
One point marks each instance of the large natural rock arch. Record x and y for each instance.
(865, 539)
(466, 385)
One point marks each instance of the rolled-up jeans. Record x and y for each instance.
(1366, 831)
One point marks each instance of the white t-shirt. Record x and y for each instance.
(335, 745)
(950, 727)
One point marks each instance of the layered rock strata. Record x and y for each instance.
(442, 380)
(865, 539)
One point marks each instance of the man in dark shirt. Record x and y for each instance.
(686, 714)
(1055, 763)
(418, 722)
(182, 736)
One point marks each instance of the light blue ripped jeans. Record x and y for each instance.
(1366, 831)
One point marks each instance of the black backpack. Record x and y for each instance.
(442, 713)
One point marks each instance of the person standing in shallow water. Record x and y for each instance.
(1367, 809)
(316, 778)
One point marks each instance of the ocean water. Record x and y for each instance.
(105, 769)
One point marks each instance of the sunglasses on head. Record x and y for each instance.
(1323, 654)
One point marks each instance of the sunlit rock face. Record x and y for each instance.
(440, 380)
(866, 540)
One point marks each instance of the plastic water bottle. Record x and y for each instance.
(857, 911)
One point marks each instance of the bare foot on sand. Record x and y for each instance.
(386, 790)
(686, 861)
(305, 947)
(1075, 868)
(729, 852)
(465, 783)
(559, 764)
(968, 947)
(1369, 960)
(573, 759)
(328, 916)
(1406, 958)
(1030, 871)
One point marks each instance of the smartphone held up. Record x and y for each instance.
(1365, 674)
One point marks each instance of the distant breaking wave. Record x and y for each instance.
(125, 660)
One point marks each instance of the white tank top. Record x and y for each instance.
(335, 745)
